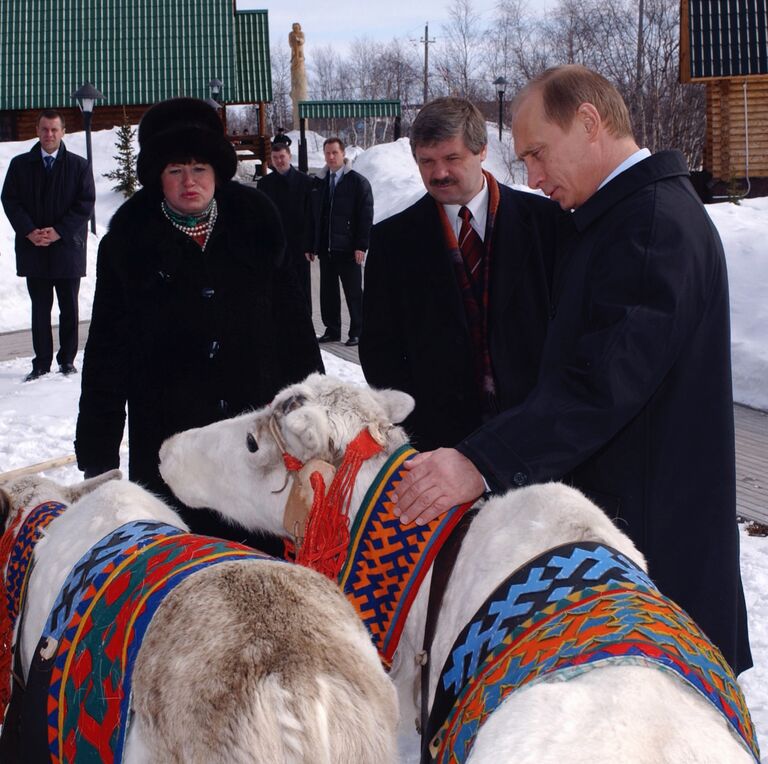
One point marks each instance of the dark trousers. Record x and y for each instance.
(335, 266)
(41, 294)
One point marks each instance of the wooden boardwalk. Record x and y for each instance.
(751, 463)
(751, 425)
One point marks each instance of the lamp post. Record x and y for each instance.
(86, 96)
(501, 86)
(215, 85)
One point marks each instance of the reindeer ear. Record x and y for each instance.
(396, 404)
(5, 507)
(76, 492)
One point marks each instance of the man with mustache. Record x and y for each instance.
(456, 298)
(633, 403)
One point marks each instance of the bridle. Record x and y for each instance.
(316, 518)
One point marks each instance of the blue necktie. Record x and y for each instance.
(49, 160)
(332, 185)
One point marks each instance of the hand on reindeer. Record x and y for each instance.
(434, 482)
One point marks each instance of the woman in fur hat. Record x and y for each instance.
(195, 317)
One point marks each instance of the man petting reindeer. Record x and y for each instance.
(617, 379)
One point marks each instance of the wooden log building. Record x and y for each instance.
(724, 44)
(136, 52)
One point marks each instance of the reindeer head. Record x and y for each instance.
(237, 466)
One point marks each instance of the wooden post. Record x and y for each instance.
(33, 469)
(303, 159)
(264, 140)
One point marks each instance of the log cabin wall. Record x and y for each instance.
(729, 133)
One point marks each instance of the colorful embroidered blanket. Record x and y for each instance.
(387, 561)
(569, 610)
(21, 555)
(80, 681)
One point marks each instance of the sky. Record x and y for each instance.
(352, 19)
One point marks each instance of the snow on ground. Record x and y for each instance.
(37, 420)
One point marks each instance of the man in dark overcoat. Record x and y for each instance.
(634, 403)
(48, 197)
(342, 214)
(417, 334)
(289, 189)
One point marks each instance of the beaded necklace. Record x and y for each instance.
(198, 227)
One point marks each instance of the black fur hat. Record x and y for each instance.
(179, 130)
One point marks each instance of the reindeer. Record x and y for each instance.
(250, 469)
(249, 660)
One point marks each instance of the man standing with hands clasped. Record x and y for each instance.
(342, 213)
(48, 197)
(633, 403)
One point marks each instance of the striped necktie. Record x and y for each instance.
(49, 160)
(332, 184)
(471, 246)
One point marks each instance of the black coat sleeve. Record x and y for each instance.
(383, 355)
(296, 345)
(101, 418)
(363, 214)
(641, 301)
(14, 199)
(297, 348)
(77, 214)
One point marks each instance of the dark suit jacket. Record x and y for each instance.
(415, 336)
(351, 214)
(634, 402)
(62, 198)
(290, 193)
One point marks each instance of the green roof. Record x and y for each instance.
(341, 109)
(134, 51)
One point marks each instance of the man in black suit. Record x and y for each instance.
(290, 190)
(342, 213)
(633, 402)
(464, 345)
(48, 197)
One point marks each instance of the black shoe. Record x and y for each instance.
(67, 369)
(35, 374)
(328, 337)
(352, 341)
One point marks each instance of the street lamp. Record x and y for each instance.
(215, 85)
(86, 96)
(501, 86)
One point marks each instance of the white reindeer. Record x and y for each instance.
(244, 661)
(615, 713)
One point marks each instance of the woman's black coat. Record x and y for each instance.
(187, 337)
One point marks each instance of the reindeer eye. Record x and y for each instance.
(250, 441)
(293, 403)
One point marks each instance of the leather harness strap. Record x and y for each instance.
(441, 573)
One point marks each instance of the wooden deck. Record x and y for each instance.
(751, 425)
(751, 463)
